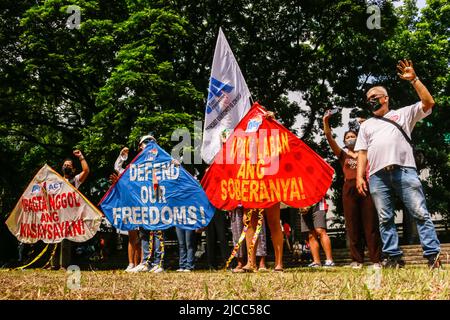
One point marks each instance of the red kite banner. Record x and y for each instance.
(263, 163)
(51, 209)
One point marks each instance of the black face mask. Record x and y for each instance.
(374, 105)
(67, 171)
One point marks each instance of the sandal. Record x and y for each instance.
(237, 270)
(263, 269)
(248, 269)
(278, 270)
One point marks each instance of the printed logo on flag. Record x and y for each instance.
(36, 189)
(216, 94)
(253, 124)
(151, 154)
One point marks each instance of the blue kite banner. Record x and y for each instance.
(155, 193)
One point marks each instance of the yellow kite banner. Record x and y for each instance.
(51, 209)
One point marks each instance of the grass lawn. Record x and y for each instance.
(293, 284)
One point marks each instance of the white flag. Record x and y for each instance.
(228, 99)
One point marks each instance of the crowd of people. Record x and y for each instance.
(377, 163)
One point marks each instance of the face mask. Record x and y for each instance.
(350, 143)
(375, 104)
(67, 171)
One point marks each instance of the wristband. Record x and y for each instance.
(414, 80)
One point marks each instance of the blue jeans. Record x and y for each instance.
(406, 184)
(145, 245)
(186, 244)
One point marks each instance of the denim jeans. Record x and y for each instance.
(405, 182)
(145, 244)
(186, 245)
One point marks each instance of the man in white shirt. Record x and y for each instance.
(393, 169)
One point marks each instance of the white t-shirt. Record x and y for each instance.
(76, 181)
(384, 142)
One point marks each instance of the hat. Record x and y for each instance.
(145, 138)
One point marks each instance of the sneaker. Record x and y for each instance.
(394, 262)
(314, 265)
(355, 265)
(434, 261)
(187, 270)
(158, 269)
(181, 270)
(142, 267)
(152, 269)
(328, 264)
(130, 266)
(377, 266)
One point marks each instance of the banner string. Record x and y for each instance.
(161, 247)
(241, 238)
(34, 260)
(51, 256)
(256, 234)
(150, 246)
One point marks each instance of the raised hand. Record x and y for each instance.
(327, 115)
(406, 70)
(77, 153)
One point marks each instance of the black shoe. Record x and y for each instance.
(394, 262)
(434, 261)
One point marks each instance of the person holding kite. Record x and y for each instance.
(261, 165)
(237, 218)
(142, 241)
(62, 256)
(134, 244)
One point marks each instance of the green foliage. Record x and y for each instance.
(139, 67)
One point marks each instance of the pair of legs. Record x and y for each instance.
(237, 225)
(361, 223)
(155, 258)
(186, 243)
(62, 256)
(405, 182)
(134, 248)
(273, 220)
(314, 236)
(215, 232)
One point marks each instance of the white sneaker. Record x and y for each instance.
(181, 270)
(355, 265)
(130, 266)
(187, 270)
(328, 264)
(153, 268)
(142, 267)
(377, 266)
(158, 269)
